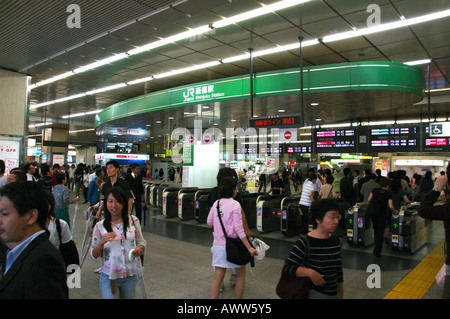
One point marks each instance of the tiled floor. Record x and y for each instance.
(178, 264)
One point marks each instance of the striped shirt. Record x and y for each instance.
(325, 257)
(308, 186)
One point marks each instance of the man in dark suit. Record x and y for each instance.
(134, 179)
(31, 266)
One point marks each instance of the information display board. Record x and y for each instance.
(432, 142)
(298, 148)
(394, 138)
(342, 140)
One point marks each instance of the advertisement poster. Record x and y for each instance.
(9, 153)
(382, 164)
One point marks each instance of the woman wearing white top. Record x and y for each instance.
(117, 238)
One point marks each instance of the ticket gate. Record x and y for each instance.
(203, 209)
(186, 203)
(201, 192)
(409, 231)
(249, 207)
(290, 216)
(359, 225)
(153, 194)
(267, 209)
(160, 192)
(147, 188)
(170, 201)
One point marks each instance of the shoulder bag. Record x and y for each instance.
(237, 253)
(68, 250)
(293, 287)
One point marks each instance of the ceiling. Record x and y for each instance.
(37, 41)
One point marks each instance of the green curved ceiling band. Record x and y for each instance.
(325, 78)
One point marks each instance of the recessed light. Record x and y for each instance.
(318, 119)
(281, 111)
(314, 104)
(158, 122)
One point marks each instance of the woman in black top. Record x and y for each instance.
(325, 261)
(380, 211)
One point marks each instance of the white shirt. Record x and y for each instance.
(308, 186)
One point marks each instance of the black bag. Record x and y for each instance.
(237, 253)
(68, 250)
(293, 287)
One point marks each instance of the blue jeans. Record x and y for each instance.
(125, 287)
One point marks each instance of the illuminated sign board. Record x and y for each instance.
(434, 142)
(279, 121)
(394, 138)
(335, 141)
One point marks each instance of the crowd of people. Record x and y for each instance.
(35, 225)
(33, 210)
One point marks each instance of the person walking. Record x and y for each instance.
(324, 267)
(116, 238)
(231, 216)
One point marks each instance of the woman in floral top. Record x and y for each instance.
(116, 236)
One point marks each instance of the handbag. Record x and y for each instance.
(237, 253)
(68, 250)
(293, 287)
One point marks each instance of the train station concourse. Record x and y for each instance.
(293, 96)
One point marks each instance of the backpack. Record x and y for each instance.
(68, 250)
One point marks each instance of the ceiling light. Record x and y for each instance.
(258, 12)
(387, 26)
(177, 37)
(40, 124)
(418, 62)
(281, 111)
(314, 104)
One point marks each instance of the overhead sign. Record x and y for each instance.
(278, 121)
(440, 129)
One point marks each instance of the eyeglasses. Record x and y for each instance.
(338, 217)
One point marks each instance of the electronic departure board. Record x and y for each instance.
(394, 138)
(435, 144)
(342, 140)
(298, 148)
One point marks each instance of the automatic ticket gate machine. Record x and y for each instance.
(170, 201)
(201, 204)
(153, 194)
(186, 203)
(147, 188)
(409, 231)
(160, 192)
(290, 216)
(249, 206)
(267, 208)
(359, 225)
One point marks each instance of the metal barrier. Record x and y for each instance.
(267, 208)
(359, 226)
(170, 201)
(409, 231)
(186, 203)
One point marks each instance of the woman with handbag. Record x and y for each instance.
(317, 255)
(230, 220)
(117, 238)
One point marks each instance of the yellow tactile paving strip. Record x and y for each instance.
(416, 284)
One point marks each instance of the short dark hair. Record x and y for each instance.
(320, 207)
(114, 163)
(20, 175)
(26, 196)
(227, 186)
(60, 177)
(312, 177)
(45, 169)
(225, 172)
(384, 182)
(27, 166)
